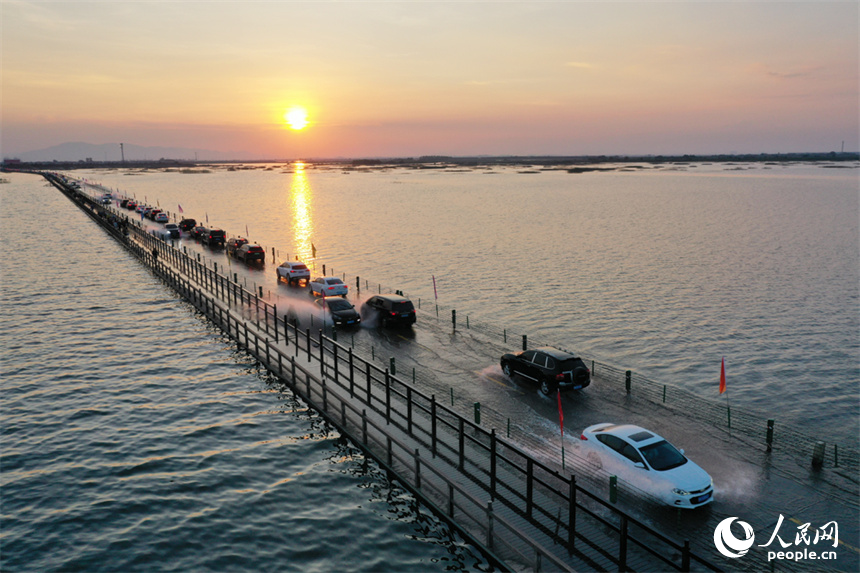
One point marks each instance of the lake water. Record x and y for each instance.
(661, 270)
(135, 437)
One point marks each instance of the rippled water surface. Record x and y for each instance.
(136, 438)
(662, 270)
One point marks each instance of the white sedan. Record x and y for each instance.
(293, 271)
(328, 286)
(652, 464)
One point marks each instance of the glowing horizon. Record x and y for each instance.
(406, 79)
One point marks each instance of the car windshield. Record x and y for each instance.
(338, 304)
(663, 456)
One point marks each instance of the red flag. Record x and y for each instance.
(560, 414)
(180, 209)
(723, 375)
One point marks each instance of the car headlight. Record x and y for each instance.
(679, 491)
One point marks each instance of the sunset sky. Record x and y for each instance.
(418, 78)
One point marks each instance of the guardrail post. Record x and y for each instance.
(286, 332)
(409, 410)
(387, 397)
(351, 373)
(369, 394)
(364, 427)
(622, 545)
(462, 440)
(358, 284)
(433, 424)
(493, 463)
(322, 354)
(613, 489)
(525, 342)
(417, 469)
(490, 524)
(571, 515)
(530, 473)
(818, 454)
(454, 318)
(308, 339)
(685, 556)
(334, 359)
(392, 367)
(769, 437)
(627, 380)
(478, 413)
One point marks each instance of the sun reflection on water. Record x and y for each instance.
(303, 226)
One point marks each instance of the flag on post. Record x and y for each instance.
(313, 251)
(180, 209)
(723, 375)
(246, 230)
(435, 294)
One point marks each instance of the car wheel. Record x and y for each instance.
(545, 388)
(506, 368)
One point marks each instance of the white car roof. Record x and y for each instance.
(634, 434)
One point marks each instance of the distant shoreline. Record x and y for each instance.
(574, 164)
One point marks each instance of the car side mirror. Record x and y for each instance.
(639, 465)
(682, 451)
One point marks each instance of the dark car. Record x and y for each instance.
(235, 244)
(389, 310)
(197, 232)
(187, 225)
(341, 311)
(251, 253)
(131, 205)
(551, 368)
(172, 230)
(124, 203)
(213, 238)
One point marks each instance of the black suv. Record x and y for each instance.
(342, 311)
(251, 253)
(389, 309)
(187, 225)
(235, 244)
(553, 369)
(213, 237)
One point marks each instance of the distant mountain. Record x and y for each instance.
(79, 151)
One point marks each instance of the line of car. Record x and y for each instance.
(649, 461)
(676, 480)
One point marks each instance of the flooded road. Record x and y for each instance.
(462, 365)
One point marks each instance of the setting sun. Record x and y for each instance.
(296, 118)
